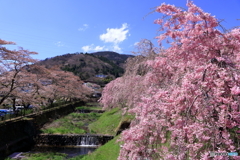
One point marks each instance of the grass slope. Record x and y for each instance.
(109, 151)
(74, 123)
(107, 123)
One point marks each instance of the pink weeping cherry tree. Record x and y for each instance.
(13, 76)
(188, 104)
(23, 82)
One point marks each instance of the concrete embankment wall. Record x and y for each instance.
(72, 140)
(20, 132)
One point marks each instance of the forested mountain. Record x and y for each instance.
(118, 59)
(89, 66)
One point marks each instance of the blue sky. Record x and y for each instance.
(56, 27)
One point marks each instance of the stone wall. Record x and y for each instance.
(72, 140)
(20, 132)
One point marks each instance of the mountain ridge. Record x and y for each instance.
(88, 65)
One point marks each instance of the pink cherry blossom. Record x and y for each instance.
(186, 102)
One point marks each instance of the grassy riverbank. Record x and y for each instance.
(109, 151)
(74, 123)
(107, 123)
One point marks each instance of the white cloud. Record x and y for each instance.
(59, 44)
(92, 47)
(115, 35)
(86, 48)
(83, 28)
(116, 48)
(99, 48)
